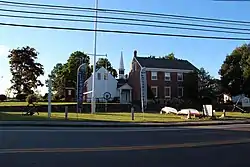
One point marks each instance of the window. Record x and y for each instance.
(105, 76)
(167, 76)
(153, 75)
(167, 91)
(69, 92)
(154, 90)
(99, 76)
(179, 76)
(180, 91)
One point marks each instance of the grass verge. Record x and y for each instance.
(116, 117)
(2, 104)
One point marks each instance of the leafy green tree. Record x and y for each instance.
(200, 84)
(64, 75)
(25, 70)
(170, 56)
(235, 71)
(104, 62)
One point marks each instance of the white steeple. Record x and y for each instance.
(121, 68)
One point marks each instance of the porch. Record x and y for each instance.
(125, 94)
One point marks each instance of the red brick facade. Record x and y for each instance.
(160, 83)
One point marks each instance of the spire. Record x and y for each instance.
(121, 68)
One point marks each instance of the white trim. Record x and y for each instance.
(155, 87)
(168, 70)
(181, 89)
(169, 76)
(154, 76)
(169, 91)
(129, 87)
(137, 61)
(181, 77)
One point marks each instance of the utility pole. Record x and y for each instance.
(94, 61)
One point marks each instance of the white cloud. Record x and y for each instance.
(4, 51)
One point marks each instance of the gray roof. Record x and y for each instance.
(165, 63)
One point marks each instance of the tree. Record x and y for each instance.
(235, 71)
(170, 56)
(64, 75)
(199, 84)
(25, 70)
(104, 62)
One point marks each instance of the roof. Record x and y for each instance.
(121, 82)
(165, 63)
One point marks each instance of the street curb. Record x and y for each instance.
(94, 124)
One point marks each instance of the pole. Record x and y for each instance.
(94, 61)
(49, 98)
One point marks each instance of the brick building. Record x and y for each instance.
(165, 77)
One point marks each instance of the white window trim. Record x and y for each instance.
(106, 73)
(169, 91)
(70, 92)
(177, 76)
(182, 89)
(169, 70)
(155, 87)
(169, 76)
(152, 75)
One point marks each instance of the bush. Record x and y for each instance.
(31, 99)
(21, 97)
(175, 103)
(3, 98)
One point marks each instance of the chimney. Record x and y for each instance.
(135, 53)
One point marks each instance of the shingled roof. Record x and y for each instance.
(151, 62)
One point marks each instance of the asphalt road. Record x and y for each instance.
(222, 146)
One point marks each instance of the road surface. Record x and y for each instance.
(223, 146)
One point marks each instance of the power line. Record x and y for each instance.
(122, 23)
(125, 19)
(125, 32)
(129, 14)
(125, 12)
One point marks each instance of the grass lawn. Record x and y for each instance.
(39, 103)
(119, 117)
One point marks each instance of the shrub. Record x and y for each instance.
(3, 98)
(175, 103)
(31, 99)
(21, 97)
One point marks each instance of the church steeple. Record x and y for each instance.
(121, 68)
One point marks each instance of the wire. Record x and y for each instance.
(124, 32)
(122, 23)
(125, 12)
(125, 19)
(129, 14)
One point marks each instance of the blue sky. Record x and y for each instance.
(56, 45)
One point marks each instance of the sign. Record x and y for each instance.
(144, 87)
(208, 110)
(245, 102)
(107, 95)
(80, 85)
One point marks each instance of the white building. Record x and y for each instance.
(107, 84)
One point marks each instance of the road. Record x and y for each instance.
(223, 146)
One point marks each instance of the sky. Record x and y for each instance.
(55, 46)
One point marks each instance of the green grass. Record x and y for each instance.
(118, 117)
(39, 103)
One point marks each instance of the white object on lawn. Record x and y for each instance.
(208, 110)
(169, 110)
(186, 111)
